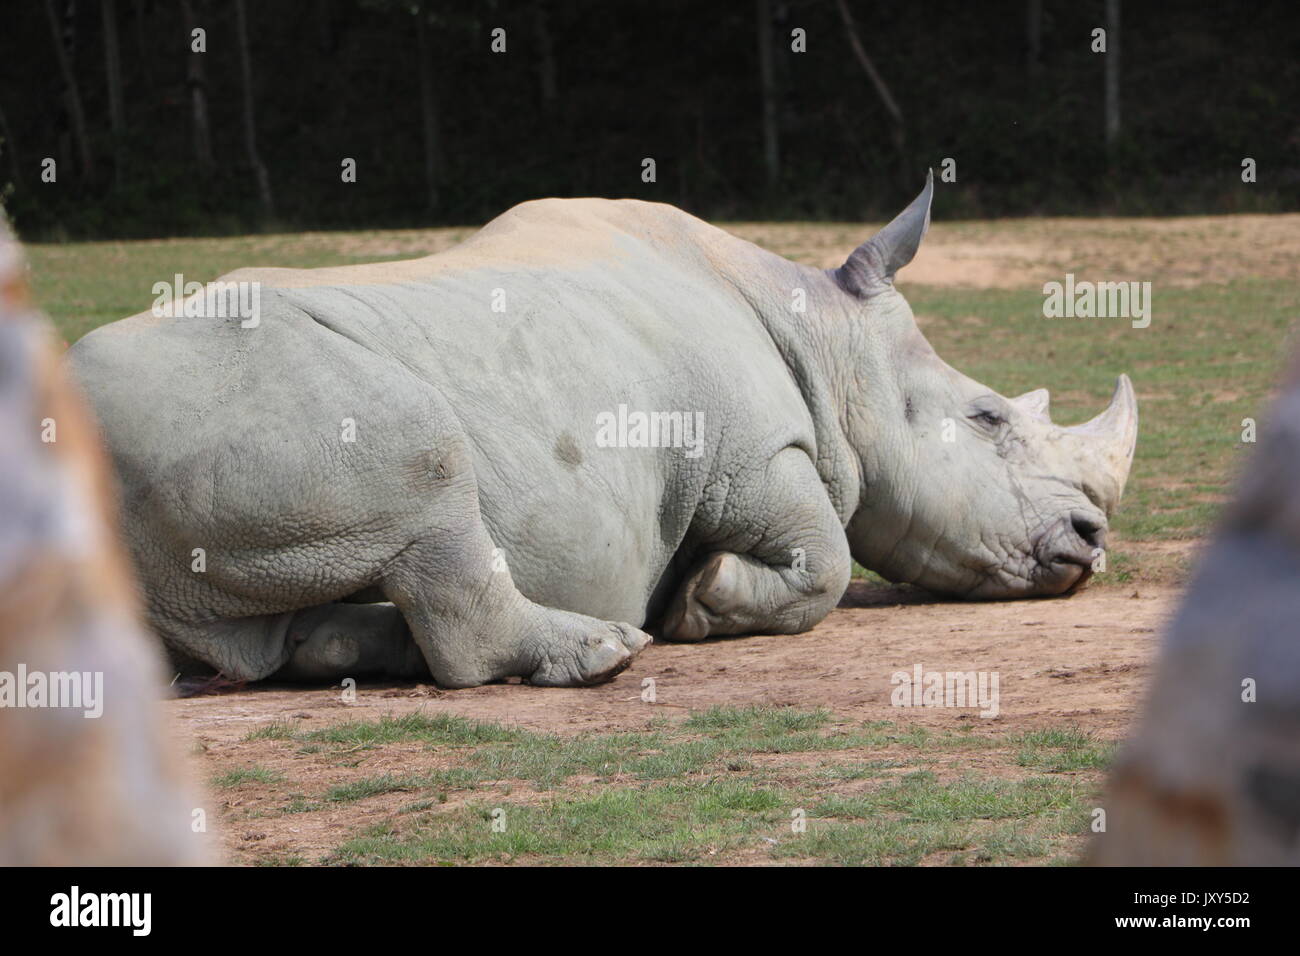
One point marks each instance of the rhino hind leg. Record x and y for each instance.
(239, 649)
(458, 602)
(324, 643)
(464, 625)
(334, 641)
(455, 612)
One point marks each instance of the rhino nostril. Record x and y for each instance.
(1092, 531)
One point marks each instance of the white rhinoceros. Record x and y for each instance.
(463, 435)
(1212, 777)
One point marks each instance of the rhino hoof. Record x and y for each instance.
(598, 657)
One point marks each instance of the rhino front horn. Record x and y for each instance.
(871, 267)
(1109, 441)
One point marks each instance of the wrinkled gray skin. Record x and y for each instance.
(1211, 779)
(476, 499)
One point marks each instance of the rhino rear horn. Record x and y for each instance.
(871, 267)
(1035, 404)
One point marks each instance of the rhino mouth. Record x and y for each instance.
(1062, 578)
(1058, 559)
(1065, 553)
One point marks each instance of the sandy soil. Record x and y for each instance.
(1025, 253)
(1081, 661)
(1079, 658)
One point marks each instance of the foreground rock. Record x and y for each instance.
(87, 772)
(1213, 774)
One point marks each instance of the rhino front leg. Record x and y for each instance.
(782, 581)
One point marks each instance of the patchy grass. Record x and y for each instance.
(1063, 750)
(666, 823)
(276, 730)
(920, 797)
(437, 730)
(724, 785)
(242, 776)
(372, 786)
(761, 721)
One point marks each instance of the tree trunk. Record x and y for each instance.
(767, 79)
(113, 69)
(1033, 36)
(143, 56)
(71, 94)
(250, 126)
(1111, 58)
(327, 33)
(196, 80)
(428, 112)
(887, 98)
(7, 148)
(546, 58)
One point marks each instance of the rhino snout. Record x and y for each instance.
(1068, 549)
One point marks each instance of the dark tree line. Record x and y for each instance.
(183, 116)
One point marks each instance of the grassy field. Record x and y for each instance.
(730, 784)
(733, 784)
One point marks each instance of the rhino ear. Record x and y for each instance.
(1035, 404)
(871, 267)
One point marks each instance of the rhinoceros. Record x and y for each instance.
(1212, 776)
(593, 416)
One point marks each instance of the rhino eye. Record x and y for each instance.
(988, 419)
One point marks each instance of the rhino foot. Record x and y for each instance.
(704, 600)
(351, 640)
(582, 651)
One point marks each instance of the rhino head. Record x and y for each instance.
(964, 491)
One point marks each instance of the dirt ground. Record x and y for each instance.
(1080, 658)
(1013, 253)
(1025, 253)
(1082, 661)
